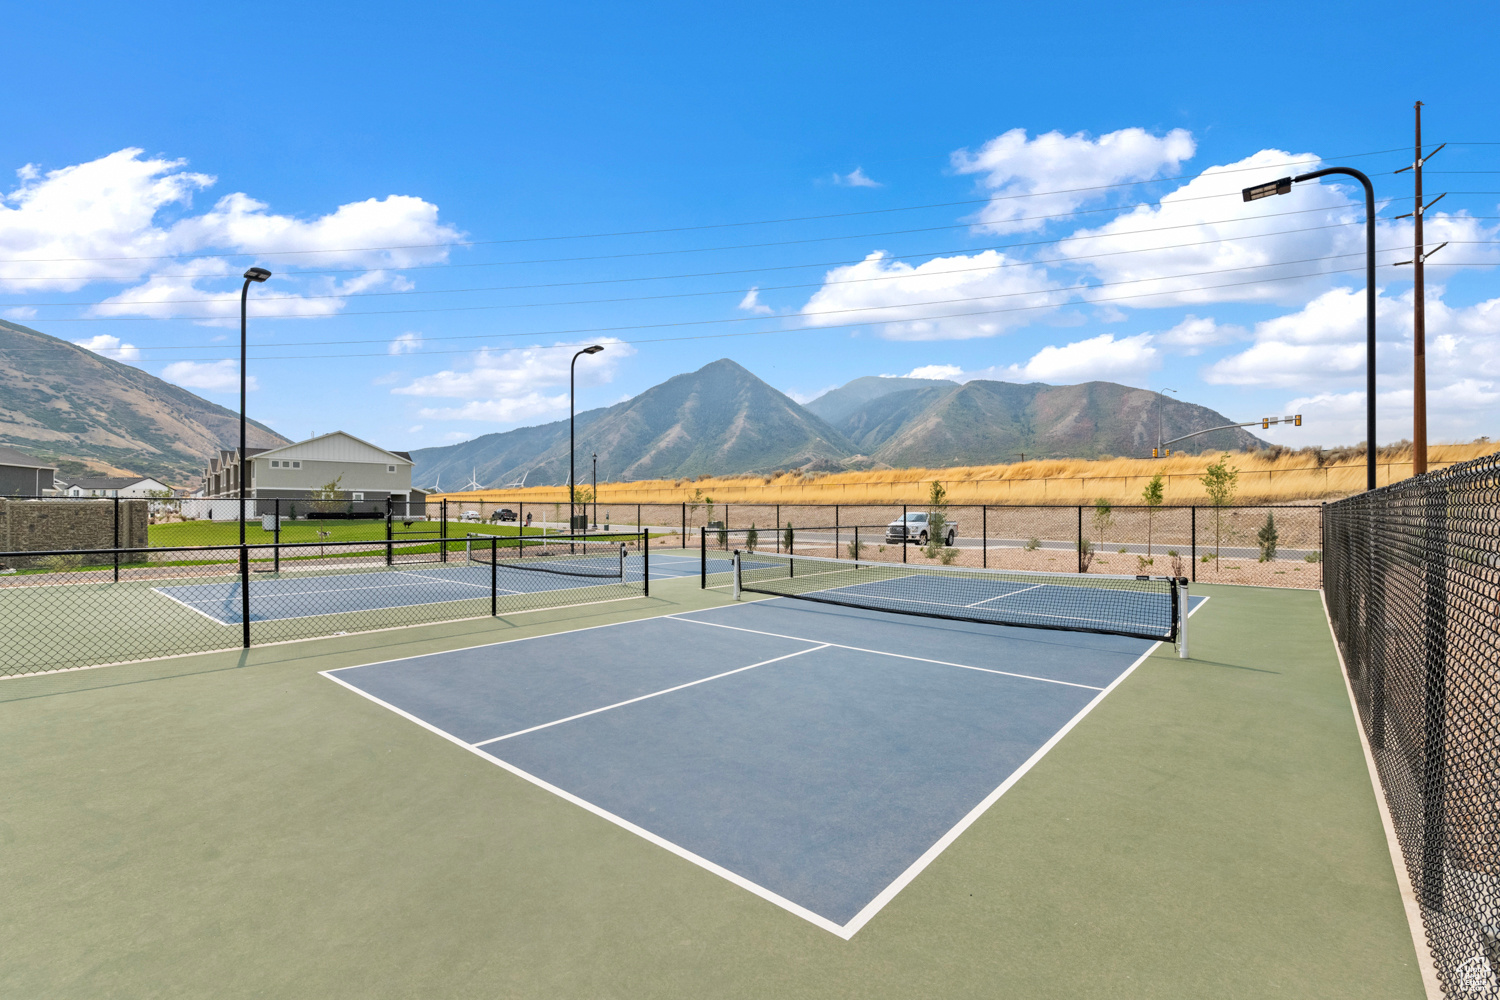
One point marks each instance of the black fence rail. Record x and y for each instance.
(1259, 545)
(63, 609)
(1412, 583)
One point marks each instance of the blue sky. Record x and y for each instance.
(1025, 192)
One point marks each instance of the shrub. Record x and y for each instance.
(947, 555)
(1266, 536)
(752, 538)
(1032, 544)
(1085, 554)
(1313, 557)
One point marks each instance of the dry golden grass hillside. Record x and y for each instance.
(1274, 475)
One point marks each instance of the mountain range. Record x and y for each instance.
(723, 420)
(88, 414)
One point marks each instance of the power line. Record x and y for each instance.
(909, 305)
(817, 329)
(742, 289)
(678, 229)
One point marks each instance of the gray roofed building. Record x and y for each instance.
(24, 475)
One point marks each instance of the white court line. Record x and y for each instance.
(443, 579)
(881, 652)
(205, 614)
(1000, 597)
(654, 694)
(620, 821)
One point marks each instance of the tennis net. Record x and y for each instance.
(600, 557)
(1142, 607)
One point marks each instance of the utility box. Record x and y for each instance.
(580, 521)
(270, 522)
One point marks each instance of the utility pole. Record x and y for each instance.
(1419, 307)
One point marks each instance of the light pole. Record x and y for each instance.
(1160, 403)
(595, 493)
(1283, 186)
(572, 367)
(256, 274)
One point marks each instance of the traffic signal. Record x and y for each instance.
(1265, 422)
(1297, 420)
(1154, 452)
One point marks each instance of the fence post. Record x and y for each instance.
(703, 558)
(494, 574)
(647, 541)
(903, 533)
(984, 537)
(443, 531)
(389, 511)
(1194, 554)
(646, 569)
(1080, 538)
(778, 529)
(856, 546)
(684, 524)
(117, 538)
(276, 535)
(835, 531)
(245, 593)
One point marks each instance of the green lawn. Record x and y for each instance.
(228, 532)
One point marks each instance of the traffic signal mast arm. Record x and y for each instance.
(1264, 422)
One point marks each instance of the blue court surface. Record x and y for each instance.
(818, 757)
(297, 595)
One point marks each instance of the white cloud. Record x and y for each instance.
(751, 303)
(115, 219)
(414, 428)
(1014, 166)
(110, 347)
(408, 343)
(1103, 357)
(1193, 334)
(951, 372)
(20, 312)
(927, 302)
(506, 386)
(211, 375)
(856, 178)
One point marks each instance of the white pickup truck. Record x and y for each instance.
(913, 528)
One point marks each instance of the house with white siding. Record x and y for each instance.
(366, 474)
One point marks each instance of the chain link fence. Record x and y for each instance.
(1413, 591)
(63, 609)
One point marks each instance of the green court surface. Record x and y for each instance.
(236, 825)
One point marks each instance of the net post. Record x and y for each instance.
(276, 535)
(736, 574)
(645, 567)
(703, 558)
(494, 574)
(1180, 599)
(244, 594)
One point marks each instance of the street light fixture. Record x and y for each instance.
(257, 275)
(1284, 185)
(1160, 403)
(572, 367)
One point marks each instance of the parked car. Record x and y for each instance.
(914, 529)
(470, 516)
(503, 514)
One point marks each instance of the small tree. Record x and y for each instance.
(1220, 481)
(937, 519)
(787, 537)
(708, 503)
(1104, 517)
(752, 538)
(328, 497)
(1153, 495)
(1267, 536)
(694, 501)
(1085, 554)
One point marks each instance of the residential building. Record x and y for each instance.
(113, 486)
(365, 473)
(24, 476)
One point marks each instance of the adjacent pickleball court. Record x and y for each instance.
(819, 757)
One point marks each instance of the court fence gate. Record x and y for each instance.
(1411, 581)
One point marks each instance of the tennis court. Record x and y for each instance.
(818, 758)
(794, 794)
